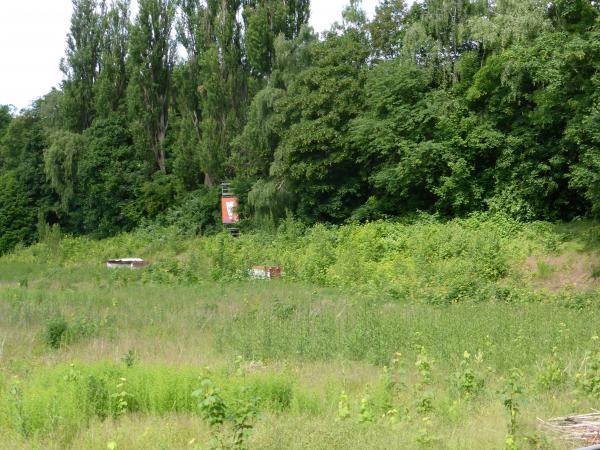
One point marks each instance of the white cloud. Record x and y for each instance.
(32, 41)
(325, 12)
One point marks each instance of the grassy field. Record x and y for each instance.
(380, 336)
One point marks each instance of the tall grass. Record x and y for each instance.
(414, 329)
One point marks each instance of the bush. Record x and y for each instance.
(56, 331)
(17, 213)
(197, 214)
(59, 331)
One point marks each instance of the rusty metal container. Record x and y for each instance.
(265, 272)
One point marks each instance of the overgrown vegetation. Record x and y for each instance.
(444, 106)
(401, 170)
(334, 355)
(425, 260)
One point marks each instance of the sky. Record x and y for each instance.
(32, 42)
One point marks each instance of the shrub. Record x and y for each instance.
(97, 397)
(197, 214)
(588, 379)
(59, 331)
(56, 331)
(17, 213)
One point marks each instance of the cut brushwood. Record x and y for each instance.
(584, 428)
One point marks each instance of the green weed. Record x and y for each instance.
(235, 420)
(56, 331)
(511, 399)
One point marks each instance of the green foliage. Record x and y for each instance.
(217, 412)
(81, 62)
(343, 407)
(211, 404)
(121, 399)
(151, 58)
(266, 20)
(25, 186)
(17, 213)
(97, 397)
(58, 331)
(110, 88)
(198, 213)
(158, 195)
(553, 374)
(301, 344)
(61, 162)
(468, 381)
(55, 332)
(366, 413)
(84, 393)
(313, 155)
(108, 180)
(511, 399)
(388, 27)
(130, 358)
(49, 235)
(423, 393)
(17, 397)
(588, 379)
(5, 118)
(443, 106)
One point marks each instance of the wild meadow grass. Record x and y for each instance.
(379, 336)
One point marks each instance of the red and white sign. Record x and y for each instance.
(229, 207)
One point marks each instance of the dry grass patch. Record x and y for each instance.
(570, 269)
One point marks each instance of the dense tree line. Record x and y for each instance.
(445, 106)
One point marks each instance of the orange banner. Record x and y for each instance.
(229, 207)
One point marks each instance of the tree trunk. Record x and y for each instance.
(208, 182)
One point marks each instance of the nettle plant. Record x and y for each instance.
(511, 398)
(367, 408)
(343, 407)
(121, 399)
(391, 377)
(553, 373)
(230, 424)
(468, 381)
(130, 358)
(424, 393)
(22, 423)
(588, 379)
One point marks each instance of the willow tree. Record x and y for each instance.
(152, 57)
(314, 158)
(275, 42)
(254, 148)
(439, 34)
(61, 160)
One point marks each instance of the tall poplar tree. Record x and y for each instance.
(152, 58)
(80, 65)
(264, 20)
(112, 81)
(223, 87)
(192, 34)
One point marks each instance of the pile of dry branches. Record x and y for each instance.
(583, 428)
